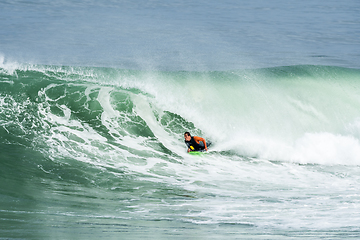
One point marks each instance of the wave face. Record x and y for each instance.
(291, 114)
(103, 145)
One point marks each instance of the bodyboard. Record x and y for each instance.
(197, 153)
(200, 152)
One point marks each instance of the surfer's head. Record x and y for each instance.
(187, 136)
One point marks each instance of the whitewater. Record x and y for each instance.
(283, 161)
(95, 98)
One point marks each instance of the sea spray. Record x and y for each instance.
(104, 148)
(276, 114)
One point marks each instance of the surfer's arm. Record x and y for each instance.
(198, 139)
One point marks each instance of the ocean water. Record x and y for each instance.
(95, 98)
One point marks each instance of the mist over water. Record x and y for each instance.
(95, 98)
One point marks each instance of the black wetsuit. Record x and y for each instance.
(194, 146)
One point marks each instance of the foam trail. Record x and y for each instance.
(145, 112)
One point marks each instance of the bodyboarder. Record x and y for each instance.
(194, 143)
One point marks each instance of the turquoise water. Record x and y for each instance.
(98, 152)
(95, 98)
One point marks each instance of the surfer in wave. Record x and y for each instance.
(195, 143)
